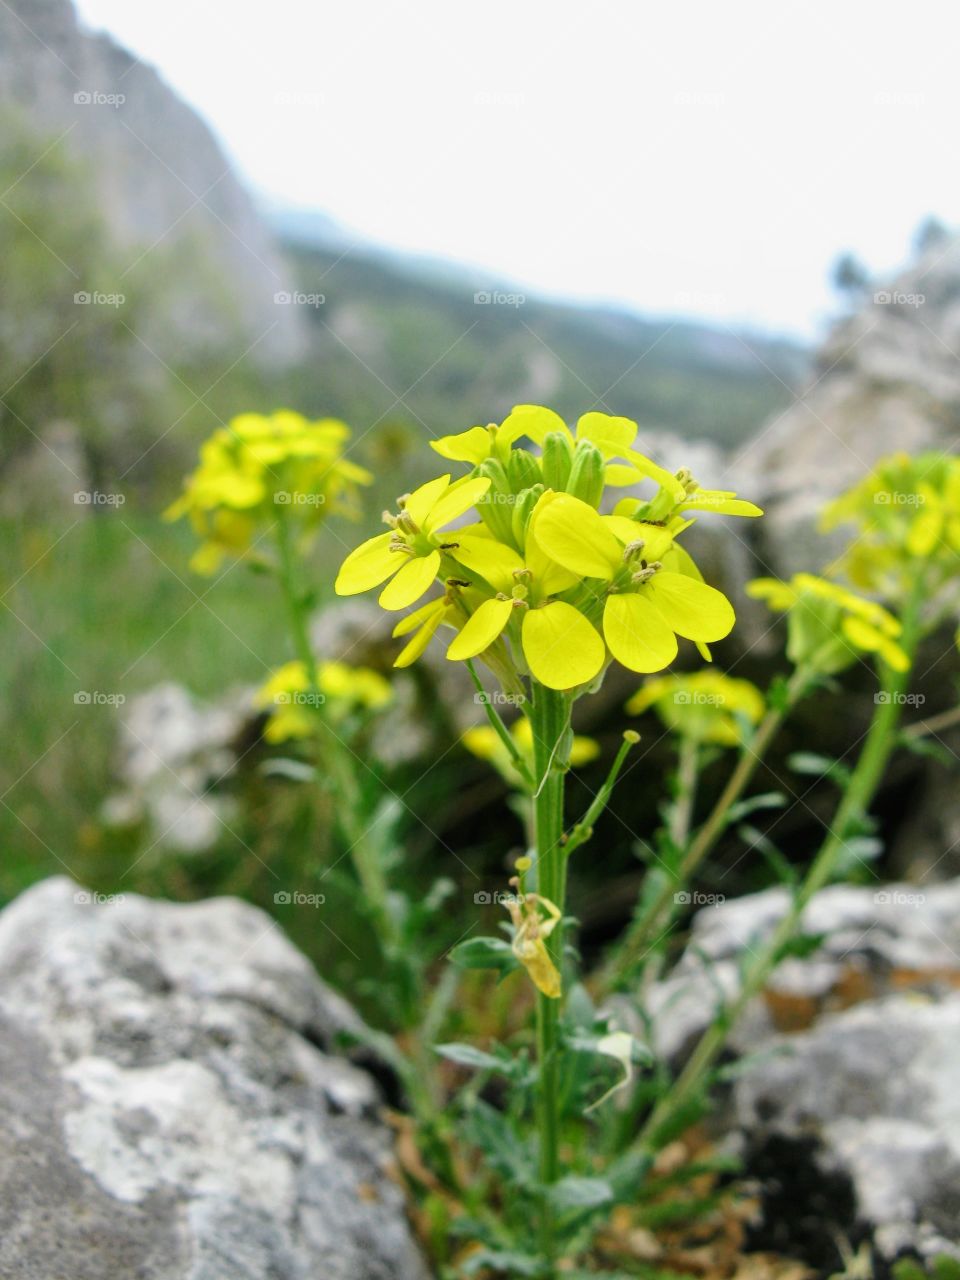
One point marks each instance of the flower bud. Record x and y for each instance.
(586, 474)
(495, 507)
(523, 470)
(556, 461)
(523, 510)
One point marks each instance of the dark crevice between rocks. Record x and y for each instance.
(804, 1210)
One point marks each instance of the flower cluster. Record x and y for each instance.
(260, 468)
(553, 578)
(705, 706)
(907, 513)
(290, 696)
(830, 626)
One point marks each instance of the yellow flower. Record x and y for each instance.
(341, 689)
(907, 511)
(484, 742)
(704, 705)
(645, 605)
(261, 467)
(830, 625)
(410, 555)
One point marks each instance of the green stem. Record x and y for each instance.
(655, 916)
(866, 777)
(549, 720)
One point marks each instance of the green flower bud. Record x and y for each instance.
(556, 461)
(496, 506)
(523, 470)
(586, 474)
(523, 510)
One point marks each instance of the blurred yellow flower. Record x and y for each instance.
(706, 706)
(829, 624)
(484, 742)
(262, 467)
(291, 701)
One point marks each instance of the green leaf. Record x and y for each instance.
(818, 766)
(284, 767)
(484, 953)
(574, 1192)
(466, 1055)
(768, 800)
(510, 1263)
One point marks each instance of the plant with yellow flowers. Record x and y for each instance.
(535, 563)
(264, 486)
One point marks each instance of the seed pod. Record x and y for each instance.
(586, 474)
(556, 461)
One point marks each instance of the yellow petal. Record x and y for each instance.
(612, 436)
(691, 608)
(656, 541)
(535, 958)
(420, 639)
(413, 620)
(492, 560)
(412, 580)
(420, 503)
(368, 566)
(468, 446)
(723, 503)
(531, 420)
(561, 647)
(574, 535)
(637, 634)
(480, 630)
(459, 498)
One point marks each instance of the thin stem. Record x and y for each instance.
(651, 920)
(681, 815)
(936, 724)
(549, 721)
(583, 830)
(879, 744)
(501, 730)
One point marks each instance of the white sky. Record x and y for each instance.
(704, 158)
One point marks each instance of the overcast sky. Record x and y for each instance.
(709, 159)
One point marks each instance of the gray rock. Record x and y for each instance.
(872, 938)
(172, 1105)
(877, 1088)
(886, 379)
